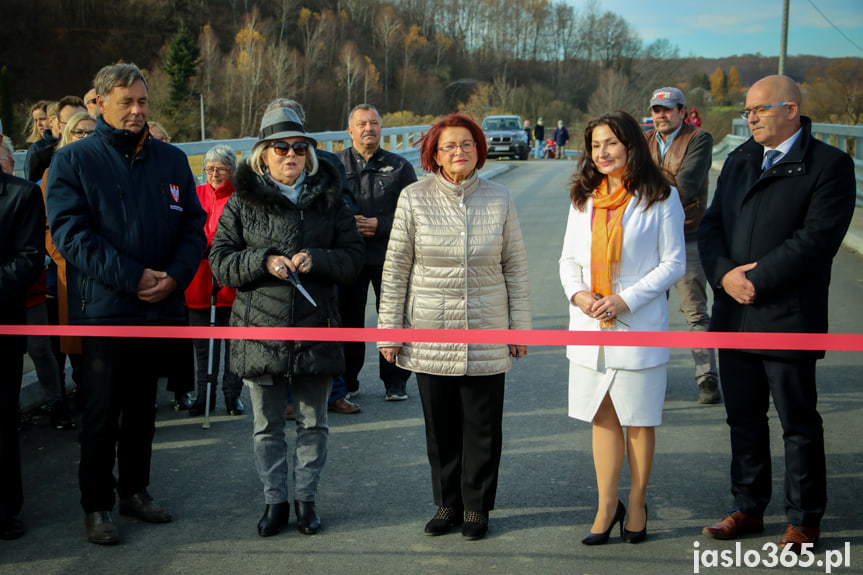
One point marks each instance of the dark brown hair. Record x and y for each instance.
(429, 143)
(641, 175)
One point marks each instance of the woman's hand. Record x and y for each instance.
(390, 353)
(302, 262)
(279, 266)
(585, 300)
(608, 307)
(518, 350)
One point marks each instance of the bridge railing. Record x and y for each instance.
(402, 141)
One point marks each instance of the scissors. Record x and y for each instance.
(616, 318)
(293, 279)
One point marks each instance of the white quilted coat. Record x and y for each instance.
(455, 260)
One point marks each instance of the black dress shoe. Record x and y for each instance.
(12, 528)
(275, 517)
(101, 529)
(234, 406)
(602, 538)
(182, 401)
(142, 506)
(308, 521)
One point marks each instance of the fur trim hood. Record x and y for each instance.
(322, 189)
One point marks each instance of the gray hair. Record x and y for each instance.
(222, 153)
(289, 104)
(364, 107)
(259, 165)
(123, 75)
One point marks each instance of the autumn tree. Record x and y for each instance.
(412, 42)
(350, 70)
(249, 49)
(718, 86)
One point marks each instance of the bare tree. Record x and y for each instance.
(349, 72)
(387, 31)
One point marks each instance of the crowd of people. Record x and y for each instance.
(120, 234)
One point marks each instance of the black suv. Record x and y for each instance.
(505, 136)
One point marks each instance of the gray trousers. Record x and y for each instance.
(692, 292)
(310, 394)
(39, 349)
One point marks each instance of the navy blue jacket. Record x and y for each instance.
(118, 203)
(791, 219)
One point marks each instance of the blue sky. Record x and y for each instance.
(718, 28)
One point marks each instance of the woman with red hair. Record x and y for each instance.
(456, 260)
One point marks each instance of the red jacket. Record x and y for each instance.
(199, 292)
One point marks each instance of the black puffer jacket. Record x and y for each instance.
(258, 221)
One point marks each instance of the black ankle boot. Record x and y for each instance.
(308, 521)
(275, 517)
(197, 408)
(475, 525)
(444, 520)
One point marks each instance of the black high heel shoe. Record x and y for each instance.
(636, 536)
(602, 538)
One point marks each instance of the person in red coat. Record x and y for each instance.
(220, 163)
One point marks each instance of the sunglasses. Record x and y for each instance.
(281, 148)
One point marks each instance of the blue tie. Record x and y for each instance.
(769, 158)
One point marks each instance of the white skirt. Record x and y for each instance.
(637, 395)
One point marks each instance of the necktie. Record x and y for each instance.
(769, 158)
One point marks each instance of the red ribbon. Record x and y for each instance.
(676, 339)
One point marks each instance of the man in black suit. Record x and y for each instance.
(783, 203)
(22, 257)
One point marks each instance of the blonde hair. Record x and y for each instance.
(259, 164)
(71, 125)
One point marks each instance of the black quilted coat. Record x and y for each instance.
(259, 221)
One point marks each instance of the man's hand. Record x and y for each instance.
(737, 285)
(155, 286)
(390, 353)
(366, 226)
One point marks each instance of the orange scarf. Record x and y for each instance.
(606, 239)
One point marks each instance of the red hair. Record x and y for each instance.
(429, 143)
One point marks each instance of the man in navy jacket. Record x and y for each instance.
(783, 203)
(124, 213)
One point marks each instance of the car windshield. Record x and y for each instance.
(492, 124)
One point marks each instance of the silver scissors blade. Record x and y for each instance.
(292, 277)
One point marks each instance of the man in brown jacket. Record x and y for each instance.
(685, 152)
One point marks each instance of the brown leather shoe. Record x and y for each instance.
(796, 535)
(142, 506)
(735, 524)
(342, 405)
(101, 529)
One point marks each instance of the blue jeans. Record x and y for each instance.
(537, 148)
(310, 394)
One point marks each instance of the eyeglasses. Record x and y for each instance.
(4, 159)
(81, 132)
(212, 170)
(758, 110)
(450, 149)
(281, 148)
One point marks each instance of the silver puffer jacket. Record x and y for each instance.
(455, 260)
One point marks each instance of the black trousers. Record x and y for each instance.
(11, 368)
(748, 381)
(232, 385)
(352, 308)
(118, 394)
(464, 437)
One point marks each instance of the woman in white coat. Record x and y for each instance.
(622, 251)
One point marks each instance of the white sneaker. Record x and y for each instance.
(396, 396)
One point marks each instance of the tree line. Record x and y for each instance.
(413, 59)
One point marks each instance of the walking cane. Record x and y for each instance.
(216, 288)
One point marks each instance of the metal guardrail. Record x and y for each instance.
(847, 138)
(400, 141)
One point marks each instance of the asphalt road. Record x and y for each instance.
(375, 495)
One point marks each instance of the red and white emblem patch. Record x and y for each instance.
(175, 192)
